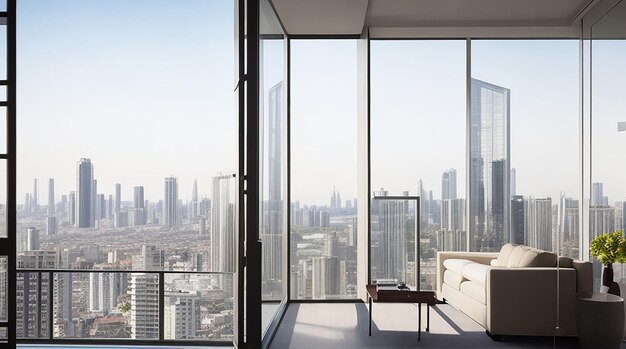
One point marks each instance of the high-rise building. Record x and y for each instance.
(223, 222)
(51, 202)
(513, 182)
(489, 182)
(273, 207)
(72, 211)
(118, 197)
(448, 184)
(105, 288)
(597, 195)
(35, 197)
(28, 240)
(4, 287)
(326, 280)
(143, 290)
(94, 200)
(51, 225)
(139, 217)
(539, 223)
(170, 202)
(453, 214)
(84, 185)
(518, 220)
(193, 209)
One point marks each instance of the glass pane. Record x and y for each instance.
(273, 161)
(199, 306)
(4, 288)
(607, 211)
(418, 118)
(3, 49)
(323, 231)
(519, 193)
(4, 334)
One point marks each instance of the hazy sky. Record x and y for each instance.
(145, 89)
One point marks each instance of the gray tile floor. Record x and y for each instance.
(330, 326)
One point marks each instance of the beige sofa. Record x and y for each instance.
(514, 292)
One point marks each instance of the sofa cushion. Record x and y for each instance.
(505, 254)
(453, 279)
(537, 258)
(474, 291)
(456, 265)
(476, 272)
(516, 256)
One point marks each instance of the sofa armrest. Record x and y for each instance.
(478, 257)
(523, 301)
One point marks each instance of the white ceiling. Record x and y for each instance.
(348, 17)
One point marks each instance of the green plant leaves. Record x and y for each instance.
(609, 248)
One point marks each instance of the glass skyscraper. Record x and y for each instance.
(490, 167)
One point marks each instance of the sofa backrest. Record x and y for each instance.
(518, 256)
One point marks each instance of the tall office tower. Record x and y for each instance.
(539, 223)
(28, 204)
(597, 194)
(51, 202)
(325, 281)
(118, 197)
(424, 205)
(100, 207)
(352, 238)
(518, 218)
(601, 220)
(71, 209)
(94, 200)
(63, 205)
(32, 294)
(223, 223)
(489, 182)
(305, 282)
(389, 234)
(51, 225)
(110, 207)
(35, 198)
(170, 202)
(332, 245)
(28, 240)
(193, 209)
(84, 185)
(452, 214)
(338, 200)
(451, 240)
(324, 219)
(139, 210)
(182, 315)
(273, 207)
(513, 182)
(620, 215)
(203, 227)
(448, 184)
(148, 259)
(333, 198)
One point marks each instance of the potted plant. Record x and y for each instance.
(609, 248)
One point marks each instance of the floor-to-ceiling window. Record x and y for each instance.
(607, 194)
(524, 174)
(128, 150)
(273, 116)
(323, 223)
(417, 149)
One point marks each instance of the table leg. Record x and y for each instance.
(370, 299)
(419, 321)
(427, 318)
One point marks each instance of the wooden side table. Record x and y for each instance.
(419, 297)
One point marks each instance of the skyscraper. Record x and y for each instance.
(51, 202)
(223, 221)
(193, 215)
(518, 218)
(513, 182)
(539, 223)
(35, 198)
(72, 208)
(448, 184)
(272, 225)
(84, 179)
(389, 237)
(118, 197)
(597, 195)
(139, 217)
(94, 200)
(489, 182)
(170, 202)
